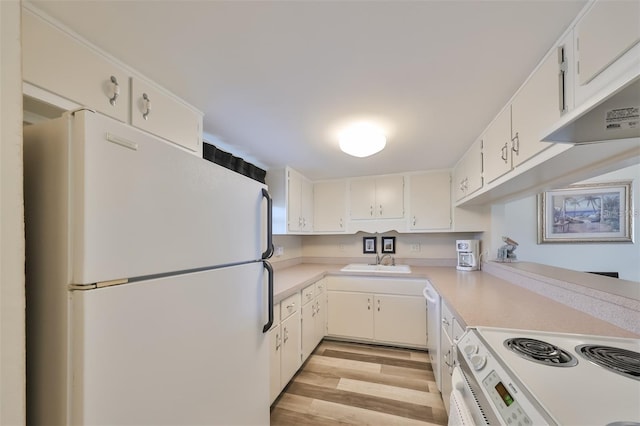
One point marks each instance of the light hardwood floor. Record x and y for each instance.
(350, 383)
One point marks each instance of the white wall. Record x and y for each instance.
(518, 220)
(12, 302)
(431, 246)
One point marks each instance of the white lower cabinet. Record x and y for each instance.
(275, 343)
(350, 314)
(284, 343)
(400, 319)
(451, 333)
(314, 318)
(379, 310)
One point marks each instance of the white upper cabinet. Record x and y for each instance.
(61, 63)
(330, 206)
(381, 197)
(496, 151)
(467, 175)
(539, 104)
(603, 34)
(430, 201)
(57, 62)
(299, 202)
(157, 112)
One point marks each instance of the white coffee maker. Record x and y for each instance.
(468, 255)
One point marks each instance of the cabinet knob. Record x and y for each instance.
(147, 105)
(116, 90)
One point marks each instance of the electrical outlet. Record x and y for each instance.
(279, 251)
(415, 247)
(341, 247)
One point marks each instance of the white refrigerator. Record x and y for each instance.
(148, 296)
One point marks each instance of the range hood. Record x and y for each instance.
(610, 114)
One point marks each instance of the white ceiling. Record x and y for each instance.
(277, 79)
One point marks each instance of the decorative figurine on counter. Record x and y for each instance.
(506, 252)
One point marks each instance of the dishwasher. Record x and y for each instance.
(433, 330)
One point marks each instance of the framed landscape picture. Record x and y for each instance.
(599, 212)
(369, 245)
(389, 245)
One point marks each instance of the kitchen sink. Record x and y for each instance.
(389, 269)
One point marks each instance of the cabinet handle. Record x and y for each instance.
(341, 223)
(515, 144)
(116, 90)
(371, 210)
(504, 151)
(445, 322)
(278, 341)
(380, 211)
(286, 335)
(414, 220)
(562, 62)
(368, 304)
(147, 104)
(292, 305)
(378, 305)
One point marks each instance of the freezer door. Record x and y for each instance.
(140, 206)
(182, 350)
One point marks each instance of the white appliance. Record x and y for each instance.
(508, 376)
(468, 255)
(147, 300)
(433, 330)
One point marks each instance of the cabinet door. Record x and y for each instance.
(274, 363)
(446, 369)
(400, 319)
(329, 206)
(473, 167)
(497, 147)
(290, 353)
(535, 108)
(321, 317)
(294, 201)
(350, 314)
(430, 201)
(308, 329)
(604, 33)
(164, 116)
(55, 61)
(306, 205)
(321, 310)
(389, 197)
(363, 198)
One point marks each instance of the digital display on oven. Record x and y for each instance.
(504, 394)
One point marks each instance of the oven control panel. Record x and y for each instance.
(505, 397)
(509, 409)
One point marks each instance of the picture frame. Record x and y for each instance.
(586, 213)
(369, 245)
(389, 245)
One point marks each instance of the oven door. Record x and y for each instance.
(464, 407)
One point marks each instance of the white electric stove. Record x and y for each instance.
(536, 378)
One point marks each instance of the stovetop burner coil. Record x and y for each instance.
(618, 360)
(540, 352)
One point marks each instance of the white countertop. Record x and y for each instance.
(477, 297)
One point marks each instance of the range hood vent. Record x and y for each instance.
(610, 115)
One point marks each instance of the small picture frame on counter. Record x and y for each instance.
(369, 245)
(389, 245)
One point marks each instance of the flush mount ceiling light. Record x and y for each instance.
(362, 140)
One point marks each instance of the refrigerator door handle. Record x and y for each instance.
(269, 252)
(269, 269)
